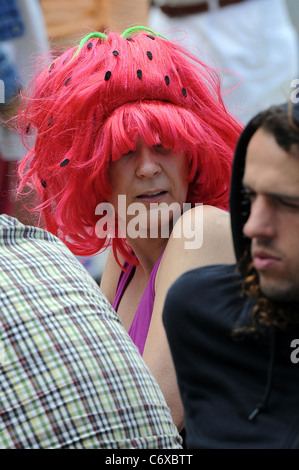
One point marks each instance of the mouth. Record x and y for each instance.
(263, 261)
(152, 195)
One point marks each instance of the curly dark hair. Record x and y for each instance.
(265, 312)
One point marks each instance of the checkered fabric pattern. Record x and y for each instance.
(70, 375)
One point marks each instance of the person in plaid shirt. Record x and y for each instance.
(70, 376)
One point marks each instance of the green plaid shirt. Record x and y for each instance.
(70, 376)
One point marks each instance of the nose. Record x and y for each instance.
(260, 223)
(147, 164)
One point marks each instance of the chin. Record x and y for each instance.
(277, 293)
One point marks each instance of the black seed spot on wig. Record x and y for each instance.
(115, 53)
(149, 55)
(89, 45)
(166, 78)
(28, 128)
(151, 37)
(67, 81)
(65, 162)
(129, 39)
(107, 75)
(43, 183)
(50, 120)
(139, 73)
(184, 92)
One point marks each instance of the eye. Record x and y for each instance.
(288, 204)
(130, 152)
(160, 149)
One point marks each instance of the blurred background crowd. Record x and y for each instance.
(67, 20)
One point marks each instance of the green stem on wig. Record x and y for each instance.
(104, 36)
(140, 28)
(86, 38)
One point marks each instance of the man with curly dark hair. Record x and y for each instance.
(233, 329)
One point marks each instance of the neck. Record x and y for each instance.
(147, 251)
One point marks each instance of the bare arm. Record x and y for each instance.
(217, 247)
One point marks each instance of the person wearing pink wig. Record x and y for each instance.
(128, 124)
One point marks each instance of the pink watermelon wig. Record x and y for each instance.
(90, 105)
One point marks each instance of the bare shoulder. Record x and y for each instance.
(110, 277)
(202, 219)
(201, 237)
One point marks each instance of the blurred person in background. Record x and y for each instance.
(23, 37)
(249, 40)
(24, 40)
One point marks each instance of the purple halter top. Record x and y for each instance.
(140, 325)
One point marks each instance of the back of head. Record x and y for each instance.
(90, 105)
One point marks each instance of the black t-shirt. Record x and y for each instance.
(222, 379)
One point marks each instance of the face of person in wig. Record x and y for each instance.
(271, 179)
(151, 179)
